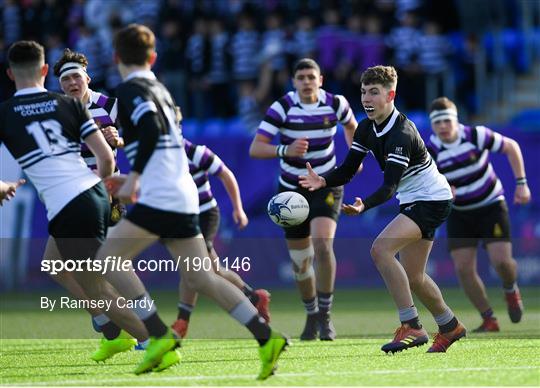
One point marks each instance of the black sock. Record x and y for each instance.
(155, 326)
(250, 293)
(446, 328)
(260, 330)
(414, 323)
(110, 330)
(184, 311)
(487, 314)
(324, 300)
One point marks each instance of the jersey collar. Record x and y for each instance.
(22, 92)
(148, 74)
(388, 126)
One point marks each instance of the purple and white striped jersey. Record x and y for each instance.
(202, 161)
(317, 122)
(465, 164)
(104, 110)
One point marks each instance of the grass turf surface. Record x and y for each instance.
(53, 348)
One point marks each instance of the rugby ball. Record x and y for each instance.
(288, 209)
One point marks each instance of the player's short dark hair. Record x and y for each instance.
(26, 53)
(442, 103)
(69, 56)
(305, 63)
(383, 75)
(134, 44)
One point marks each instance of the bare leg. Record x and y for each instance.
(323, 230)
(465, 265)
(401, 232)
(414, 258)
(500, 256)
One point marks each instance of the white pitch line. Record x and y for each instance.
(156, 378)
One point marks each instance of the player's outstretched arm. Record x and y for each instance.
(231, 185)
(512, 150)
(8, 189)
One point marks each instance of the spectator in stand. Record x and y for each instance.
(172, 70)
(89, 44)
(273, 51)
(404, 41)
(197, 55)
(350, 53)
(304, 42)
(219, 70)
(328, 40)
(11, 22)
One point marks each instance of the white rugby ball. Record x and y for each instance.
(288, 209)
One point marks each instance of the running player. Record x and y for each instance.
(74, 81)
(479, 211)
(425, 200)
(167, 207)
(43, 130)
(306, 120)
(202, 161)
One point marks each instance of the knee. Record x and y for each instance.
(416, 280)
(196, 280)
(323, 249)
(379, 252)
(503, 263)
(464, 268)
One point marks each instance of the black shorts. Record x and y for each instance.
(163, 223)
(487, 224)
(81, 226)
(322, 203)
(209, 224)
(428, 215)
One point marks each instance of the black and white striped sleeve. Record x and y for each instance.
(87, 123)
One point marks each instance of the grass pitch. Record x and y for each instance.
(53, 348)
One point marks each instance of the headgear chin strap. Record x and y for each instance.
(71, 68)
(445, 114)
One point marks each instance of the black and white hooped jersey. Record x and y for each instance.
(43, 131)
(400, 143)
(317, 122)
(104, 110)
(202, 161)
(165, 182)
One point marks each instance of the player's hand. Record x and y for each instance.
(297, 148)
(240, 218)
(114, 182)
(8, 189)
(312, 181)
(355, 209)
(522, 195)
(112, 137)
(127, 193)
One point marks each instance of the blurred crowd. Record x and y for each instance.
(224, 58)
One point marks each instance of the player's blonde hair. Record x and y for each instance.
(383, 75)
